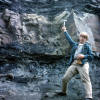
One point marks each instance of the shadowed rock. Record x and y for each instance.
(32, 47)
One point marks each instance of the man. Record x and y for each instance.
(81, 53)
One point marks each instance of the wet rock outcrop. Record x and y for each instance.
(50, 7)
(34, 50)
(88, 23)
(35, 34)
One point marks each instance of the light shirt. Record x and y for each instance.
(78, 50)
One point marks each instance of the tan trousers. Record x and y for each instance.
(84, 74)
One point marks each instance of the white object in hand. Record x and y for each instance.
(64, 22)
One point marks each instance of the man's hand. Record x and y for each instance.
(80, 56)
(64, 28)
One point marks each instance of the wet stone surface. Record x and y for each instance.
(31, 28)
(34, 80)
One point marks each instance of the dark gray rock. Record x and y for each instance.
(6, 1)
(31, 44)
(93, 7)
(89, 23)
(50, 8)
(35, 34)
(32, 33)
(45, 78)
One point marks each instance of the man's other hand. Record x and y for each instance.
(64, 28)
(80, 56)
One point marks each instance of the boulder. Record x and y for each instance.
(80, 22)
(35, 34)
(13, 22)
(40, 31)
(4, 34)
(85, 22)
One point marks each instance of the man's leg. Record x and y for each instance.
(71, 71)
(84, 73)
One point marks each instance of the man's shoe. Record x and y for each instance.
(88, 99)
(61, 94)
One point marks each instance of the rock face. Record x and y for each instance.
(33, 49)
(50, 7)
(34, 31)
(41, 36)
(88, 23)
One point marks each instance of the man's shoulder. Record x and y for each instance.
(87, 44)
(76, 43)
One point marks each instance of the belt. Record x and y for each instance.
(77, 61)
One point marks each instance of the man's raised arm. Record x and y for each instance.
(71, 42)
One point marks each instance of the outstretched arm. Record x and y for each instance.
(68, 37)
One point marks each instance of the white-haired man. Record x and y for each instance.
(81, 54)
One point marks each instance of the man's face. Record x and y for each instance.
(82, 39)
